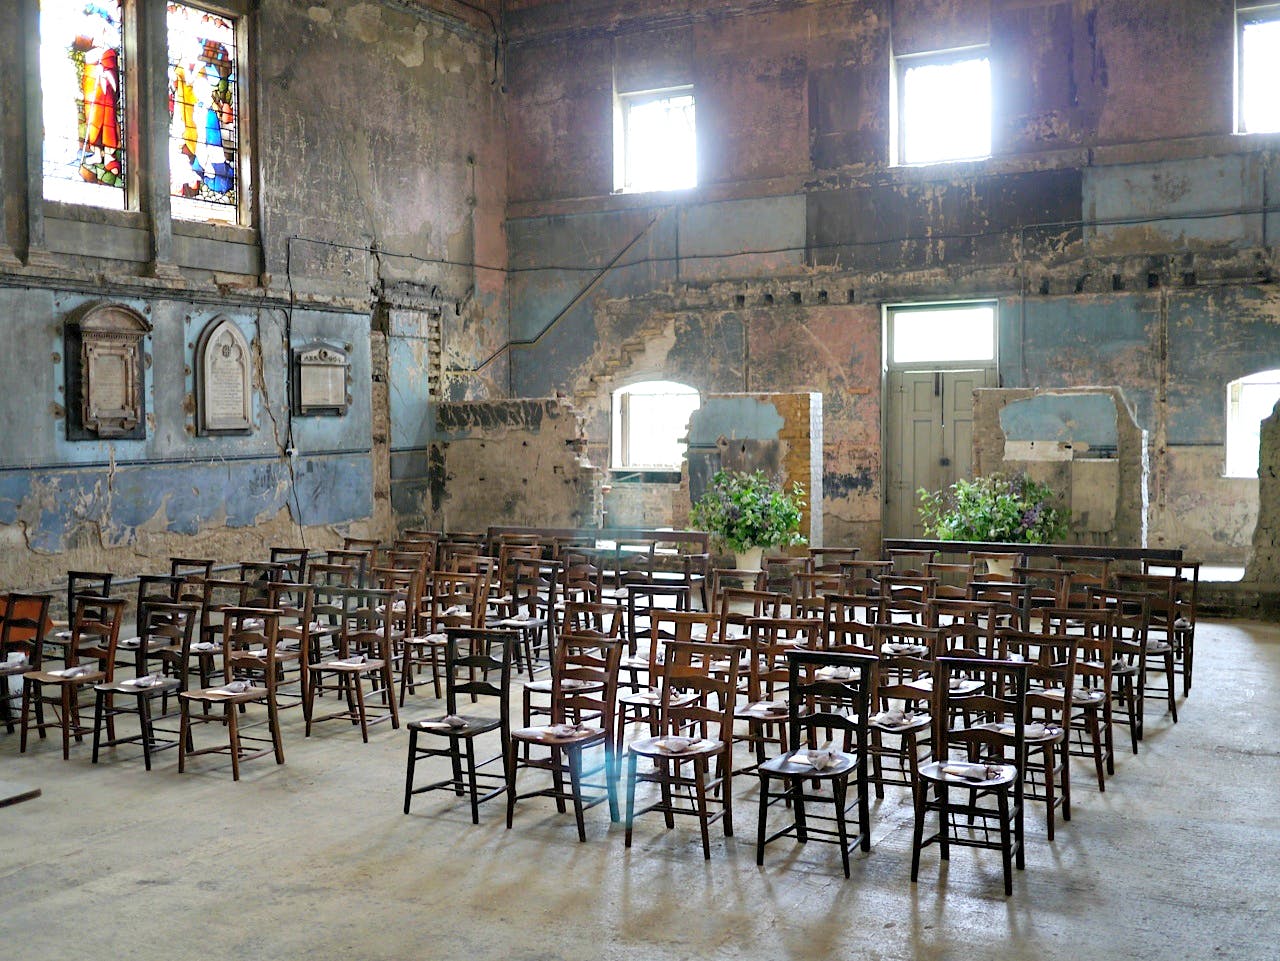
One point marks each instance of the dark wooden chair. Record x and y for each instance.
(584, 689)
(249, 642)
(164, 633)
(1091, 733)
(692, 756)
(1130, 618)
(977, 759)
(477, 664)
(90, 659)
(827, 693)
(79, 584)
(364, 656)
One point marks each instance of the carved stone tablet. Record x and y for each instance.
(320, 380)
(110, 374)
(224, 395)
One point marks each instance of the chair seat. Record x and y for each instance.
(797, 763)
(10, 668)
(652, 698)
(1033, 733)
(886, 721)
(58, 677)
(164, 685)
(958, 773)
(655, 747)
(763, 711)
(557, 735)
(219, 695)
(569, 683)
(472, 727)
(1159, 647)
(1088, 695)
(959, 686)
(350, 667)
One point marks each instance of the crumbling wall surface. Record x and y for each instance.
(510, 462)
(1264, 560)
(777, 433)
(377, 132)
(1083, 442)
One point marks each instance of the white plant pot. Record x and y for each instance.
(751, 559)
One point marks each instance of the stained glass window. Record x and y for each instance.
(204, 114)
(82, 84)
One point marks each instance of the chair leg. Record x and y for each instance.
(408, 774)
(764, 817)
(144, 724)
(700, 770)
(273, 720)
(573, 757)
(795, 787)
(631, 795)
(1006, 846)
(233, 735)
(97, 726)
(838, 790)
(921, 793)
(511, 761)
(471, 780)
(184, 733)
(65, 690)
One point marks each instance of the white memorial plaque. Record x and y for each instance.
(225, 398)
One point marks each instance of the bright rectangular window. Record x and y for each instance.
(82, 83)
(942, 334)
(944, 107)
(1250, 401)
(1258, 69)
(204, 115)
(650, 421)
(655, 144)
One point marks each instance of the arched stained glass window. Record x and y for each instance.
(204, 114)
(82, 82)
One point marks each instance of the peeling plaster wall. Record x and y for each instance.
(378, 134)
(510, 462)
(1119, 224)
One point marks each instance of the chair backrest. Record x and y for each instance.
(1014, 598)
(771, 639)
(1051, 672)
(737, 606)
(989, 723)
(817, 583)
(295, 560)
(249, 641)
(985, 562)
(331, 575)
(26, 621)
(723, 578)
(86, 584)
(780, 572)
(953, 579)
(367, 623)
(218, 595)
(856, 608)
(170, 624)
(580, 578)
(584, 679)
(95, 631)
(828, 559)
(1131, 623)
(912, 562)
(688, 669)
(830, 691)
(191, 567)
(472, 658)
(457, 600)
(154, 589)
(1091, 630)
(914, 639)
(358, 561)
(582, 617)
(296, 603)
(667, 626)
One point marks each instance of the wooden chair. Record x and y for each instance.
(364, 649)
(953, 579)
(249, 640)
(473, 657)
(456, 600)
(979, 759)
(1131, 615)
(79, 584)
(827, 692)
(95, 632)
(1162, 612)
(696, 713)
(1186, 600)
(583, 620)
(165, 634)
(828, 559)
(1046, 765)
(25, 624)
(1091, 630)
(294, 560)
(901, 727)
(584, 689)
(767, 715)
(186, 567)
(912, 563)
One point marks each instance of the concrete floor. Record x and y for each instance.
(1178, 859)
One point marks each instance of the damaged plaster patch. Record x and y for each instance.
(365, 21)
(320, 14)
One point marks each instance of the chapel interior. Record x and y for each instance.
(288, 279)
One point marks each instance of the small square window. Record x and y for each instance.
(944, 107)
(650, 421)
(942, 333)
(655, 147)
(1258, 69)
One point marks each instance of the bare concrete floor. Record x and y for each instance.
(1178, 859)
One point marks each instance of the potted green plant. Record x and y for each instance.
(1003, 508)
(746, 512)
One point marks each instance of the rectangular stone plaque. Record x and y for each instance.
(225, 395)
(320, 380)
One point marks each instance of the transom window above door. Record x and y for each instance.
(941, 334)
